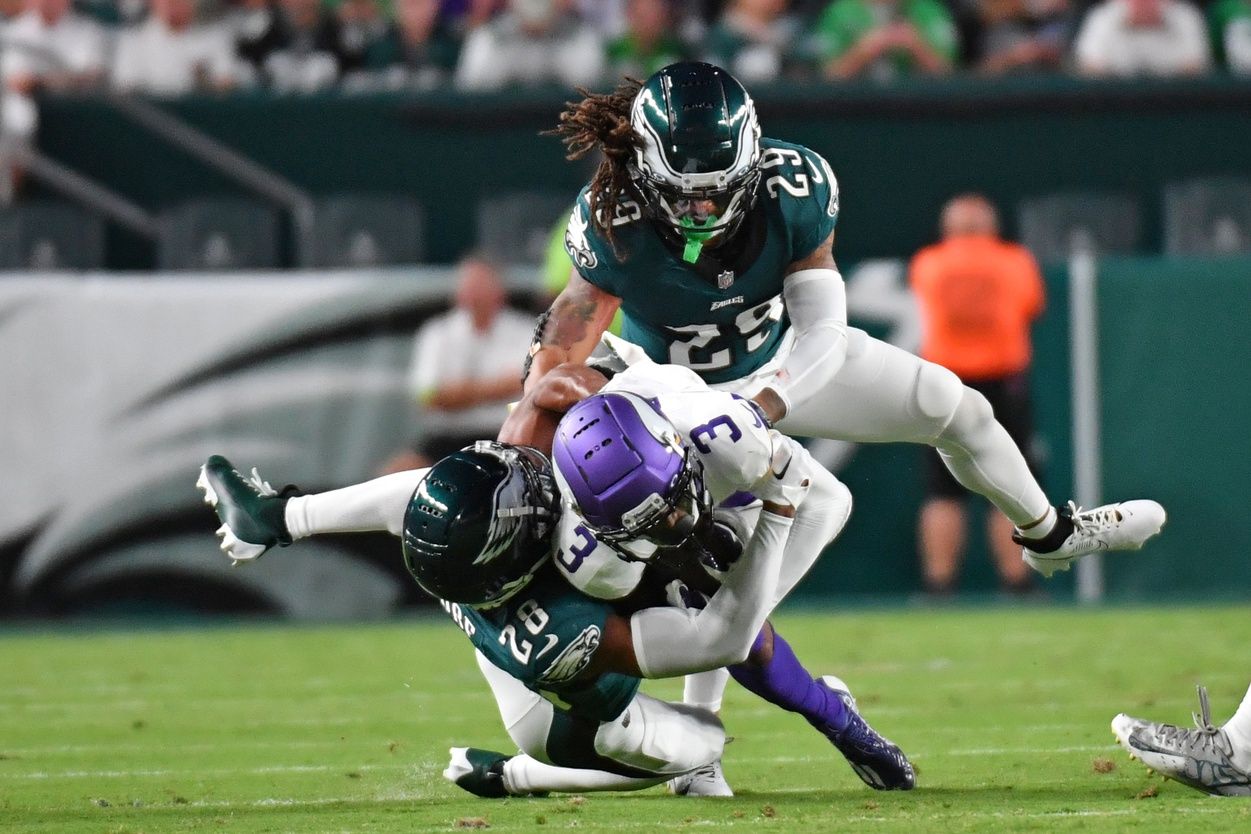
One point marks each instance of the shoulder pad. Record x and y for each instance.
(726, 434)
(589, 250)
(648, 379)
(804, 186)
(573, 658)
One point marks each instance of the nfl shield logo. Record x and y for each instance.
(725, 280)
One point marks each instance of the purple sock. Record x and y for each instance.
(785, 682)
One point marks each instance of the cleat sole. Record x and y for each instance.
(202, 482)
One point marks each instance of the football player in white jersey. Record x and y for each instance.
(255, 520)
(679, 423)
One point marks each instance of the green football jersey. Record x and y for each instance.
(544, 637)
(723, 315)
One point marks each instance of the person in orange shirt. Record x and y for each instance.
(978, 296)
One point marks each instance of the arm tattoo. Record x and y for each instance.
(567, 320)
(562, 325)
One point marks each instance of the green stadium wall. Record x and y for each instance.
(1176, 413)
(898, 150)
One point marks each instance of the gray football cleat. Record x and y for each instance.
(1201, 758)
(253, 513)
(708, 780)
(1123, 526)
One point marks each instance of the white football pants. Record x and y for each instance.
(883, 394)
(651, 735)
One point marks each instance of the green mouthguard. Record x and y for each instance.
(695, 237)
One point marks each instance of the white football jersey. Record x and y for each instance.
(724, 433)
(592, 566)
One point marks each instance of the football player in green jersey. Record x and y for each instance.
(717, 246)
(477, 531)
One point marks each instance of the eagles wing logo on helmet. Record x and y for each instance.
(570, 663)
(576, 244)
(503, 532)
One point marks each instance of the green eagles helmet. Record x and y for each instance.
(480, 523)
(697, 163)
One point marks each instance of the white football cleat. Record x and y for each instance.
(1123, 526)
(708, 780)
(1202, 758)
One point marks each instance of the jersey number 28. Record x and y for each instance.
(534, 619)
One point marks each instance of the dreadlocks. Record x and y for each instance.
(602, 120)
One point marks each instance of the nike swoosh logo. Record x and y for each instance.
(785, 469)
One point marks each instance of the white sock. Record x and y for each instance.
(705, 689)
(1239, 730)
(1043, 527)
(524, 774)
(372, 506)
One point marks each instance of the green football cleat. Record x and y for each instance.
(253, 513)
(481, 772)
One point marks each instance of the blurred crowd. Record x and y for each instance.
(173, 47)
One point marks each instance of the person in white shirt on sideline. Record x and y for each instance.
(47, 46)
(532, 42)
(464, 368)
(171, 54)
(1127, 38)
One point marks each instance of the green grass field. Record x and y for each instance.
(331, 729)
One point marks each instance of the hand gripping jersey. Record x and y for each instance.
(721, 318)
(725, 434)
(544, 637)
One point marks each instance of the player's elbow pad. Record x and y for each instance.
(816, 302)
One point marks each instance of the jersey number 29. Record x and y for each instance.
(709, 347)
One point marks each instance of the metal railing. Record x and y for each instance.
(97, 197)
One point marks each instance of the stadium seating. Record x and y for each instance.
(1207, 217)
(48, 235)
(218, 233)
(1056, 226)
(515, 228)
(363, 230)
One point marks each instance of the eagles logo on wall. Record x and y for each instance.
(121, 389)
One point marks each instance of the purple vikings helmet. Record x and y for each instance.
(627, 470)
